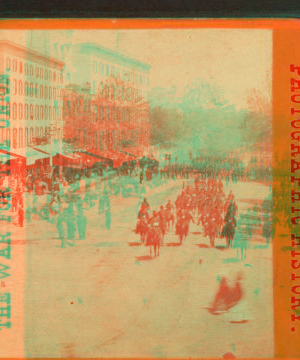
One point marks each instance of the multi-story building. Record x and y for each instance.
(35, 84)
(108, 109)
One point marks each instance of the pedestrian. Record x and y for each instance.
(61, 229)
(108, 218)
(28, 215)
(81, 224)
(20, 215)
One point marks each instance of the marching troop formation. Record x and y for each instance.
(203, 203)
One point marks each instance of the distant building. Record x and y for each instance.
(105, 104)
(35, 102)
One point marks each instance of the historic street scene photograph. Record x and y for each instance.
(138, 165)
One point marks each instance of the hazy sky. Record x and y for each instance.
(238, 60)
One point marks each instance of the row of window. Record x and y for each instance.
(110, 139)
(34, 90)
(18, 138)
(33, 70)
(116, 72)
(112, 92)
(111, 114)
(33, 112)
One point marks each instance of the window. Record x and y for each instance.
(15, 66)
(26, 136)
(31, 112)
(46, 74)
(37, 72)
(20, 87)
(117, 72)
(128, 94)
(41, 132)
(41, 112)
(50, 92)
(36, 90)
(123, 115)
(94, 66)
(8, 136)
(106, 91)
(118, 114)
(112, 92)
(31, 134)
(8, 112)
(112, 70)
(41, 73)
(31, 89)
(107, 70)
(21, 67)
(26, 111)
(54, 75)
(36, 112)
(95, 140)
(100, 113)
(14, 111)
(15, 134)
(50, 75)
(15, 86)
(95, 114)
(20, 111)
(107, 114)
(31, 70)
(26, 69)
(113, 112)
(7, 63)
(41, 91)
(20, 138)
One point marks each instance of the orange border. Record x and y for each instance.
(82, 24)
(286, 50)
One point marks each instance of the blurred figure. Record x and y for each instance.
(81, 224)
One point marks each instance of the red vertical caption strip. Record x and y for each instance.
(286, 59)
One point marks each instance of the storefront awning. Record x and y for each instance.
(89, 160)
(47, 148)
(132, 151)
(70, 160)
(29, 154)
(116, 157)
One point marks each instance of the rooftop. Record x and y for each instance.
(112, 55)
(31, 55)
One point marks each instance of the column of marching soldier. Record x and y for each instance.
(205, 204)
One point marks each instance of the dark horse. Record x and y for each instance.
(229, 231)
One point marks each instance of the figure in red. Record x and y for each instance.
(183, 222)
(21, 215)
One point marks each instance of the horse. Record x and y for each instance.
(212, 229)
(170, 218)
(142, 229)
(229, 232)
(154, 238)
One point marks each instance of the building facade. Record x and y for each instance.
(105, 105)
(35, 96)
